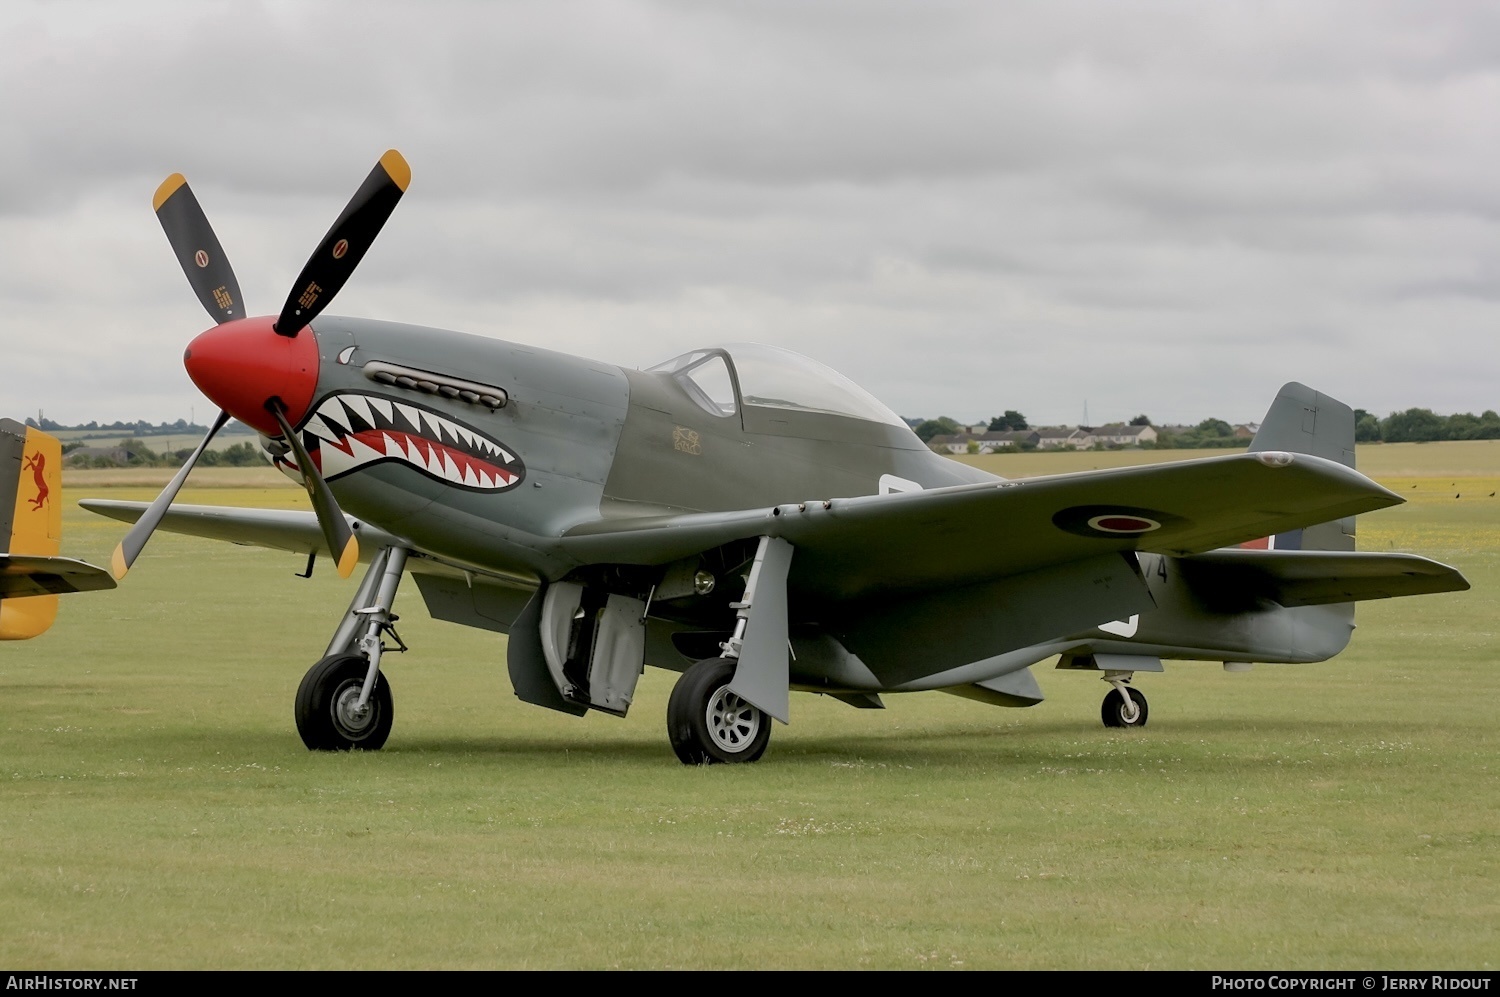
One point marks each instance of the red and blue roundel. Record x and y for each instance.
(1115, 522)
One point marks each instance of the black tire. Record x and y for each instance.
(325, 717)
(1113, 711)
(707, 724)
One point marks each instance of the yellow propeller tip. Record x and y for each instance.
(117, 565)
(349, 558)
(395, 166)
(167, 189)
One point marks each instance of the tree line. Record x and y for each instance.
(140, 455)
(1415, 425)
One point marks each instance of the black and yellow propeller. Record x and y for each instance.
(255, 397)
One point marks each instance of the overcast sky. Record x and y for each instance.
(1168, 208)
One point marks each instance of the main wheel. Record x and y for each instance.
(327, 710)
(1116, 713)
(707, 723)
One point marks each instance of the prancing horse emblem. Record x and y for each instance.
(34, 464)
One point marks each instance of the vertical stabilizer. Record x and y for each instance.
(1302, 420)
(30, 518)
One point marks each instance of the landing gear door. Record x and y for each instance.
(595, 645)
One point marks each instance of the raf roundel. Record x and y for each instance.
(340, 248)
(1114, 522)
(1123, 524)
(200, 258)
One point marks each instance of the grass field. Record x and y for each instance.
(158, 810)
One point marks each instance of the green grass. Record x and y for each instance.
(157, 809)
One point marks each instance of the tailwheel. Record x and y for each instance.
(708, 724)
(329, 716)
(1118, 711)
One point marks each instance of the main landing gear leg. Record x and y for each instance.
(1124, 705)
(709, 720)
(344, 702)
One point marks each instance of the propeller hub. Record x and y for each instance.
(243, 364)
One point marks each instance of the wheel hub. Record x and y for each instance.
(348, 714)
(732, 722)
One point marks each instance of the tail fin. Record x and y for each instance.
(31, 572)
(1302, 420)
(30, 518)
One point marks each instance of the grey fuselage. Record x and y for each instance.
(593, 441)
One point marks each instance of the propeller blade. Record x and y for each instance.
(130, 548)
(198, 251)
(342, 544)
(345, 244)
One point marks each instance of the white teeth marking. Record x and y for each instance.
(328, 424)
(363, 453)
(335, 418)
(410, 415)
(359, 406)
(414, 453)
(319, 428)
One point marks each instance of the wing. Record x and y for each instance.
(278, 529)
(1313, 578)
(25, 575)
(848, 548)
(290, 530)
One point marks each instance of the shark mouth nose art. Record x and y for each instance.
(350, 431)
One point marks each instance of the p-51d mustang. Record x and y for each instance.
(742, 515)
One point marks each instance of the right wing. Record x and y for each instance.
(943, 537)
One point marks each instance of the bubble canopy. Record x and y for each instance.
(771, 377)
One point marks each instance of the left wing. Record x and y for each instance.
(291, 530)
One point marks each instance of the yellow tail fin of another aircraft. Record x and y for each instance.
(31, 572)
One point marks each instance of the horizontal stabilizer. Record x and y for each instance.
(27, 575)
(1012, 689)
(1315, 578)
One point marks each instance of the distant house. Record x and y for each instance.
(1124, 436)
(1054, 437)
(1007, 439)
(1246, 430)
(950, 443)
(1087, 437)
